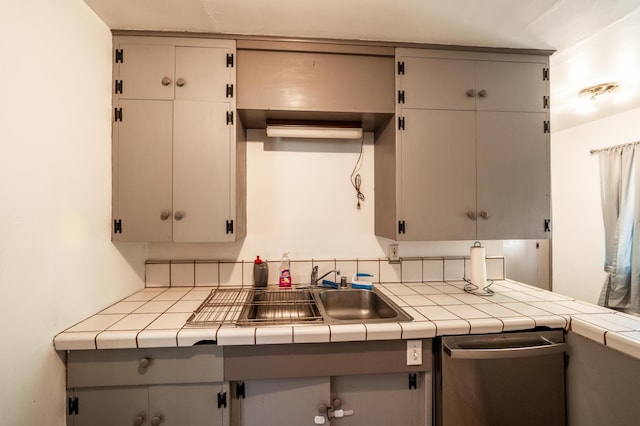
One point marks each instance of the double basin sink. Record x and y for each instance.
(319, 305)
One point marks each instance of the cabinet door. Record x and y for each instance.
(437, 175)
(143, 69)
(513, 175)
(143, 162)
(201, 171)
(110, 406)
(204, 74)
(283, 401)
(380, 399)
(511, 86)
(438, 83)
(180, 405)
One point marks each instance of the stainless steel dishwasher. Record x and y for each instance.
(502, 379)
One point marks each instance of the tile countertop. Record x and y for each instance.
(155, 317)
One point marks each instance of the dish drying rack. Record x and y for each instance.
(223, 305)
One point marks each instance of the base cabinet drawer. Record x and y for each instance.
(195, 364)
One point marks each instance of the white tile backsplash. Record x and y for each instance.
(453, 269)
(206, 274)
(212, 273)
(348, 268)
(412, 270)
(390, 272)
(370, 267)
(300, 272)
(495, 268)
(231, 274)
(433, 270)
(157, 274)
(182, 274)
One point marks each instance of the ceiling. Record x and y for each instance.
(596, 41)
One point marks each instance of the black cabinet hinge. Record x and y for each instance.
(73, 406)
(118, 114)
(119, 56)
(229, 60)
(118, 87)
(400, 96)
(240, 390)
(117, 226)
(229, 90)
(545, 74)
(401, 228)
(547, 225)
(545, 102)
(230, 226)
(222, 399)
(400, 123)
(413, 381)
(547, 127)
(229, 117)
(400, 68)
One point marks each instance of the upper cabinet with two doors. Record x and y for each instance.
(178, 153)
(468, 157)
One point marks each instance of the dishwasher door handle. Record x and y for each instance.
(538, 348)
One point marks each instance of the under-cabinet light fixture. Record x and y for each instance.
(313, 132)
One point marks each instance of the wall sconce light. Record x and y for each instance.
(315, 130)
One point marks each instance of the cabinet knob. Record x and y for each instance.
(484, 214)
(144, 362)
(482, 93)
(166, 81)
(337, 404)
(471, 93)
(138, 421)
(165, 214)
(471, 215)
(180, 82)
(179, 215)
(323, 408)
(156, 420)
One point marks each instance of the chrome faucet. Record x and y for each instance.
(314, 275)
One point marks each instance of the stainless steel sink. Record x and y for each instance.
(354, 305)
(318, 305)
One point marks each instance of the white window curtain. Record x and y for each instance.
(620, 193)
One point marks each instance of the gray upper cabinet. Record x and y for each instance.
(178, 150)
(464, 84)
(315, 81)
(468, 157)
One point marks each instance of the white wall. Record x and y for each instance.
(300, 199)
(57, 265)
(578, 240)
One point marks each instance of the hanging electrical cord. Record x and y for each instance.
(356, 179)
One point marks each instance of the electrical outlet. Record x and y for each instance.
(414, 352)
(393, 253)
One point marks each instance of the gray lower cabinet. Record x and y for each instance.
(339, 384)
(383, 399)
(354, 400)
(290, 401)
(601, 383)
(170, 386)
